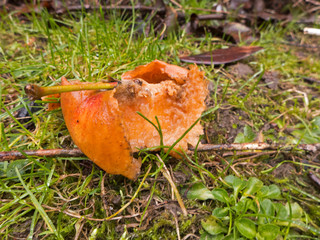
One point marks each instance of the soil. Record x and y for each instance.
(225, 126)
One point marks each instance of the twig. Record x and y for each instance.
(310, 80)
(166, 174)
(256, 146)
(88, 7)
(314, 9)
(300, 45)
(177, 224)
(314, 178)
(317, 3)
(14, 155)
(217, 16)
(103, 193)
(177, 4)
(78, 231)
(193, 236)
(248, 154)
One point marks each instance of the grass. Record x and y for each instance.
(56, 198)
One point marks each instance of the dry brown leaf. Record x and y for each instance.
(222, 56)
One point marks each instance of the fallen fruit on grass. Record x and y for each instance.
(105, 124)
(94, 123)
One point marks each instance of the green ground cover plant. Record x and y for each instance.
(249, 211)
(227, 195)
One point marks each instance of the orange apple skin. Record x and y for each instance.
(105, 124)
(94, 123)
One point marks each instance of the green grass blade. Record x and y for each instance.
(39, 207)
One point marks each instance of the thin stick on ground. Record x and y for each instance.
(88, 7)
(103, 192)
(177, 224)
(257, 146)
(14, 155)
(167, 175)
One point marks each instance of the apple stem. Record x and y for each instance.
(36, 92)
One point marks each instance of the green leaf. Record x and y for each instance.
(264, 191)
(271, 192)
(243, 205)
(240, 138)
(316, 123)
(3, 168)
(220, 194)
(249, 134)
(230, 180)
(199, 191)
(207, 236)
(220, 212)
(307, 134)
(305, 137)
(296, 210)
(268, 207)
(246, 137)
(236, 183)
(213, 227)
(253, 186)
(232, 237)
(282, 212)
(269, 231)
(246, 227)
(21, 165)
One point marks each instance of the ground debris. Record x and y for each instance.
(241, 70)
(272, 79)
